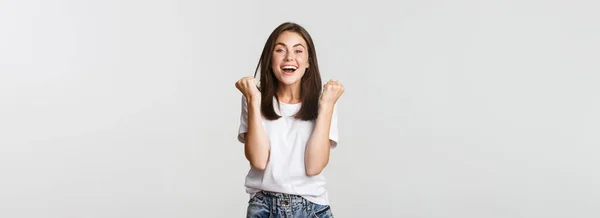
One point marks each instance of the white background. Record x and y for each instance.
(461, 109)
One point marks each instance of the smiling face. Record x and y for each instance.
(290, 58)
(288, 64)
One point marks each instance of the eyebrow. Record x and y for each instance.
(279, 43)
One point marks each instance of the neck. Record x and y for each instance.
(289, 93)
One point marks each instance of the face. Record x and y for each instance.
(290, 58)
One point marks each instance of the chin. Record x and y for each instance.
(289, 82)
(286, 80)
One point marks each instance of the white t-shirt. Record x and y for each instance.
(285, 172)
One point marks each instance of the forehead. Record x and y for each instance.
(290, 39)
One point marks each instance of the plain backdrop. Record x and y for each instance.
(458, 109)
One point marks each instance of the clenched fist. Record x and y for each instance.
(248, 87)
(332, 90)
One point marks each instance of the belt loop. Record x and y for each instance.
(273, 205)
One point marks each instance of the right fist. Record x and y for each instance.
(248, 87)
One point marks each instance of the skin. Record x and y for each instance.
(290, 50)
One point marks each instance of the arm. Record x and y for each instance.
(257, 146)
(255, 139)
(316, 156)
(318, 146)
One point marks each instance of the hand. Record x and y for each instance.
(332, 91)
(248, 87)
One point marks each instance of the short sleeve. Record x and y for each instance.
(243, 121)
(333, 128)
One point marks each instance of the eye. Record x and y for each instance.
(298, 51)
(279, 50)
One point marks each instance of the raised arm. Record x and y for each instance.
(316, 156)
(256, 146)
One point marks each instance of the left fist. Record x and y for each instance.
(332, 90)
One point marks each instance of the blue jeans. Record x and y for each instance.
(266, 204)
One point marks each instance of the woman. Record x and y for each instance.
(288, 126)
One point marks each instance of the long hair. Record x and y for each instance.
(310, 83)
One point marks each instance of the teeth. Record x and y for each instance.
(289, 68)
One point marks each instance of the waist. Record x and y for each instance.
(283, 199)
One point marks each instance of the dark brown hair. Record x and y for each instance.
(310, 83)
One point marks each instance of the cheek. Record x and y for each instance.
(275, 63)
(302, 61)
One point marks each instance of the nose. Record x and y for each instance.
(289, 56)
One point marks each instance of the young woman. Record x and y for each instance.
(288, 125)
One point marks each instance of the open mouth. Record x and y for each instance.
(289, 69)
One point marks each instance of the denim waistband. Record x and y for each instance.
(283, 199)
(279, 194)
